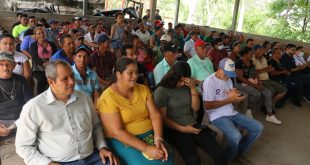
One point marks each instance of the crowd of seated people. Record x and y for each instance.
(76, 92)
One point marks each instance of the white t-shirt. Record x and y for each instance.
(19, 58)
(214, 89)
(299, 60)
(144, 37)
(189, 47)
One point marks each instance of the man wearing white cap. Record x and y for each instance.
(219, 96)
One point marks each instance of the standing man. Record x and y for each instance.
(61, 126)
(219, 96)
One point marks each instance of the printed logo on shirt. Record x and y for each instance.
(217, 92)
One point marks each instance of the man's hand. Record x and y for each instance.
(4, 131)
(104, 153)
(235, 96)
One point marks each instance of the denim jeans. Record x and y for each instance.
(236, 144)
(93, 159)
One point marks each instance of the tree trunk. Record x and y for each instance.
(305, 21)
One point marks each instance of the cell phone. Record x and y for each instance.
(198, 126)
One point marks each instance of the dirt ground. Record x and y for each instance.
(286, 144)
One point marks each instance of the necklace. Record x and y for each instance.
(11, 96)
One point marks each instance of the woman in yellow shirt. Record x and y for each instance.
(131, 120)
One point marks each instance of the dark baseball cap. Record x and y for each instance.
(170, 47)
(103, 38)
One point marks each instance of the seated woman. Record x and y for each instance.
(41, 50)
(178, 100)
(131, 120)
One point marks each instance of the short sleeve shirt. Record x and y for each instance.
(20, 59)
(248, 71)
(261, 64)
(18, 30)
(133, 112)
(214, 89)
(201, 69)
(160, 70)
(288, 62)
(178, 104)
(278, 67)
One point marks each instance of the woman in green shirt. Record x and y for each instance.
(177, 99)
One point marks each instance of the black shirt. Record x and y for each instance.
(288, 62)
(277, 67)
(141, 73)
(248, 71)
(10, 108)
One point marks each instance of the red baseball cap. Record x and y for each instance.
(199, 42)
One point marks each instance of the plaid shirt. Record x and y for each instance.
(104, 64)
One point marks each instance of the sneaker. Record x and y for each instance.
(307, 99)
(240, 159)
(248, 113)
(273, 119)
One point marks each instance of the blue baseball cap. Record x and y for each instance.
(229, 67)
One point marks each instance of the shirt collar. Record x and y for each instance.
(51, 98)
(165, 63)
(75, 71)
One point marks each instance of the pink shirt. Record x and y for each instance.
(45, 53)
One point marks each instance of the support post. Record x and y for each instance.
(84, 7)
(235, 15)
(176, 18)
(152, 10)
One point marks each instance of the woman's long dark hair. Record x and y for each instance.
(174, 75)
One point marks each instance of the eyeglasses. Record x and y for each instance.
(8, 65)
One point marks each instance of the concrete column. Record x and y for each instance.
(235, 15)
(152, 10)
(84, 7)
(176, 18)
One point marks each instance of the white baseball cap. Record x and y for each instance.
(166, 38)
(229, 67)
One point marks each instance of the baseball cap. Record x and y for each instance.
(199, 42)
(103, 38)
(257, 46)
(159, 23)
(147, 24)
(166, 38)
(229, 67)
(82, 47)
(77, 18)
(170, 47)
(52, 21)
(6, 56)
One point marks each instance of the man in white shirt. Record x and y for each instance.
(143, 34)
(189, 48)
(219, 96)
(61, 126)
